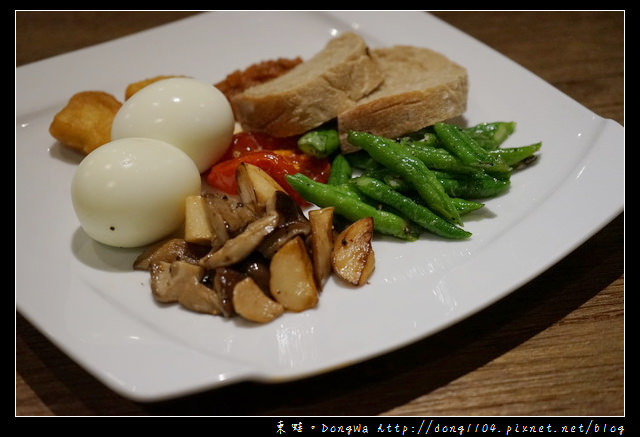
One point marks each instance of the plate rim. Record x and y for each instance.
(609, 127)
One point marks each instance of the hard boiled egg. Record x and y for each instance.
(131, 192)
(188, 113)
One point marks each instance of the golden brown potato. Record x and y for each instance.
(85, 122)
(291, 280)
(321, 221)
(253, 304)
(133, 88)
(353, 255)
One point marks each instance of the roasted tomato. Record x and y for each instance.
(247, 142)
(277, 156)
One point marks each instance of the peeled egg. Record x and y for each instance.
(131, 192)
(190, 114)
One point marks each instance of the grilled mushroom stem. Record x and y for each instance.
(292, 223)
(173, 249)
(239, 247)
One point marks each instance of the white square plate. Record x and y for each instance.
(87, 300)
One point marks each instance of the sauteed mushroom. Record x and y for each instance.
(182, 282)
(239, 247)
(292, 223)
(255, 255)
(173, 249)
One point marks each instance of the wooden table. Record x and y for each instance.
(553, 347)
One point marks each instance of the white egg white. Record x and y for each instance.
(190, 114)
(131, 192)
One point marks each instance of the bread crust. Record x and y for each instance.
(421, 87)
(312, 93)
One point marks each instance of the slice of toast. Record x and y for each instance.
(313, 92)
(421, 87)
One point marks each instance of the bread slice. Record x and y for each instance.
(421, 87)
(313, 92)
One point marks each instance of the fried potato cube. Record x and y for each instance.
(85, 122)
(197, 228)
(133, 88)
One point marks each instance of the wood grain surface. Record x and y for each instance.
(554, 347)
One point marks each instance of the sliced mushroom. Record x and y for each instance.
(235, 214)
(257, 267)
(219, 232)
(292, 223)
(255, 185)
(182, 282)
(253, 304)
(200, 298)
(174, 249)
(245, 188)
(224, 280)
(161, 283)
(170, 279)
(239, 247)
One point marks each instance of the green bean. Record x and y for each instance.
(350, 189)
(514, 156)
(390, 178)
(395, 157)
(465, 206)
(456, 141)
(410, 209)
(424, 136)
(340, 177)
(324, 195)
(362, 160)
(340, 172)
(477, 186)
(394, 181)
(437, 158)
(320, 142)
(491, 135)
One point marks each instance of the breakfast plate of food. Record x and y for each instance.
(200, 204)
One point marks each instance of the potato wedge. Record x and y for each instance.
(197, 228)
(321, 239)
(255, 185)
(291, 281)
(250, 302)
(353, 257)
